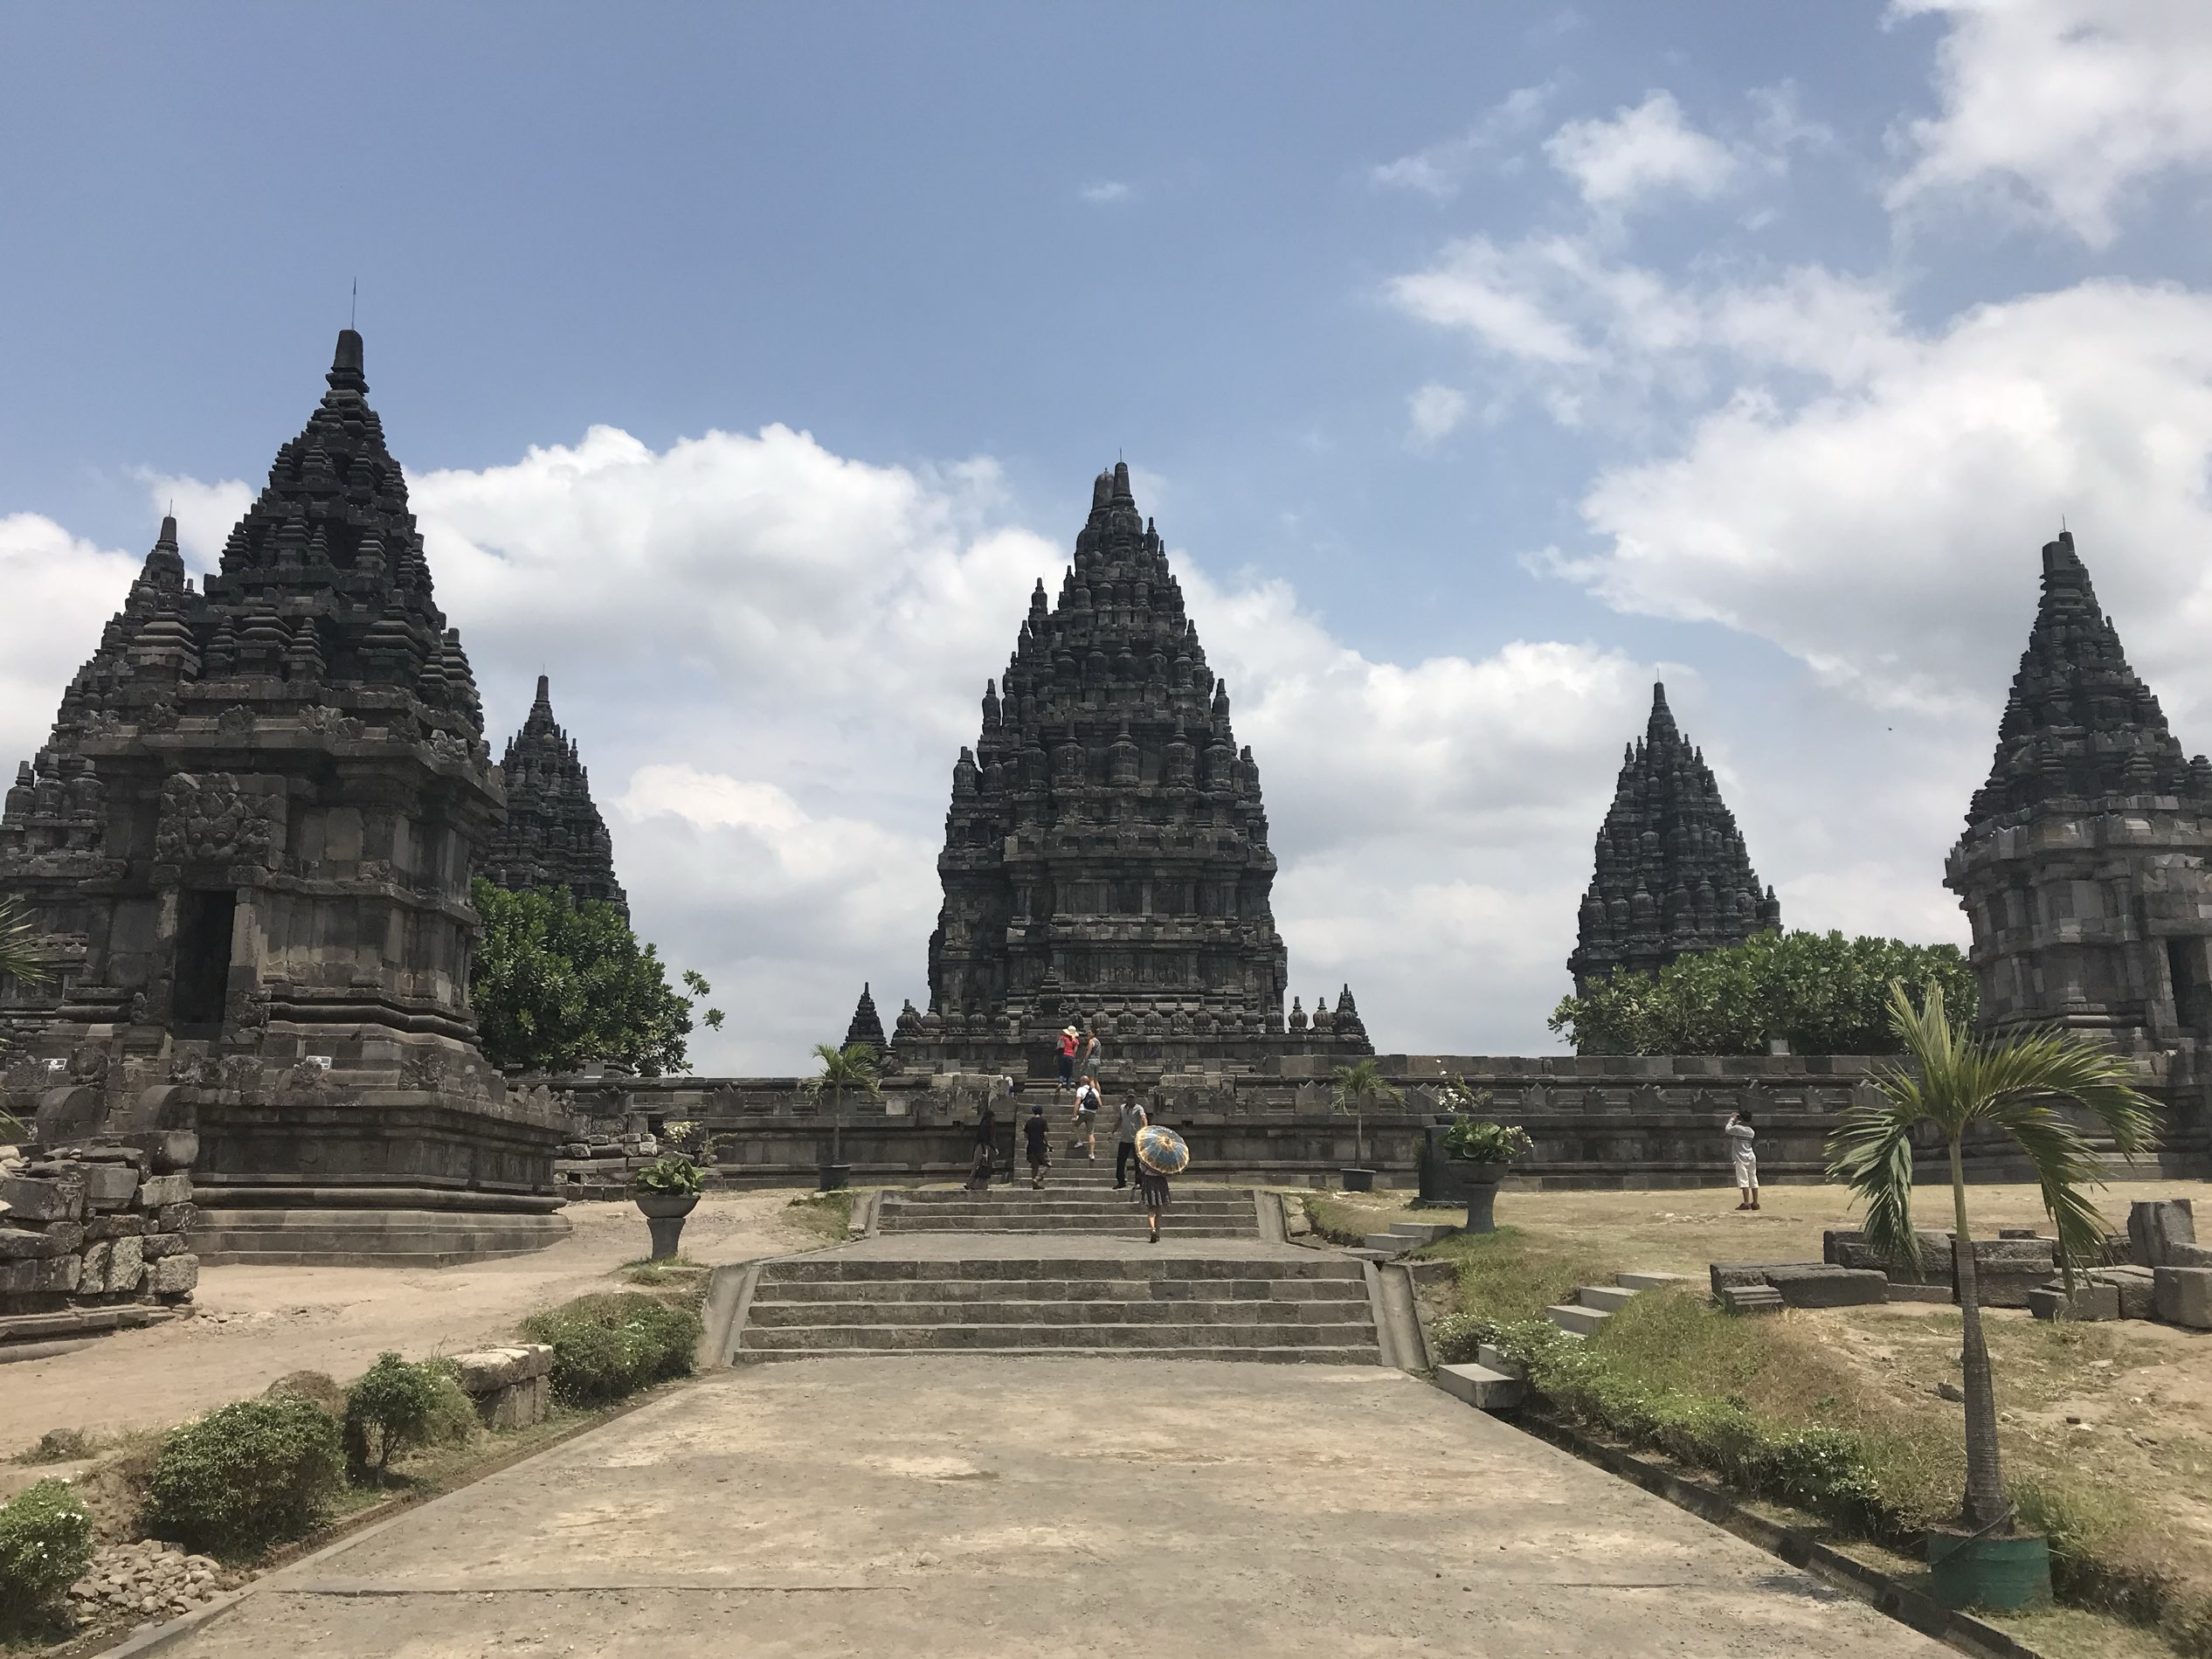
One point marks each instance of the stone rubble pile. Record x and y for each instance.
(95, 1226)
(146, 1579)
(2156, 1271)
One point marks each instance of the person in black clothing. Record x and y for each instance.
(1034, 1131)
(1152, 1191)
(986, 1139)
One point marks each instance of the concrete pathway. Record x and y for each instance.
(951, 1505)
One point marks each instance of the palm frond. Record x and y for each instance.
(1871, 1153)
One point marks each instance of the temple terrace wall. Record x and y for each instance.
(1597, 1121)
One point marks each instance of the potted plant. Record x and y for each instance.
(1355, 1088)
(850, 1066)
(1485, 1149)
(666, 1190)
(1967, 1082)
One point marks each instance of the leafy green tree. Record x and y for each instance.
(850, 1066)
(1968, 1083)
(1355, 1088)
(558, 983)
(1825, 993)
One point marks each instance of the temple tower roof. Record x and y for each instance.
(1672, 875)
(554, 834)
(2079, 726)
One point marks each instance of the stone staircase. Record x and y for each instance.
(1494, 1383)
(1403, 1237)
(1086, 1203)
(1317, 1310)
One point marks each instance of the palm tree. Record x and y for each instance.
(850, 1066)
(1967, 1082)
(1357, 1087)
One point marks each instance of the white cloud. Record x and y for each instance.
(205, 513)
(1105, 192)
(1885, 531)
(1441, 168)
(2057, 108)
(1436, 411)
(61, 589)
(1638, 155)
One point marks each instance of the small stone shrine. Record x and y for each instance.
(2083, 869)
(1106, 861)
(867, 1026)
(554, 836)
(244, 855)
(1672, 875)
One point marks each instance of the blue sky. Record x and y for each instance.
(1481, 363)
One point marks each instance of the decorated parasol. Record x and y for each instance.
(1162, 1151)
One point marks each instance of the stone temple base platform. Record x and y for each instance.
(413, 1230)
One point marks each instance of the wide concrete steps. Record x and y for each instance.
(1316, 1311)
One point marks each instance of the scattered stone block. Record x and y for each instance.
(155, 1246)
(126, 1266)
(2091, 1301)
(109, 1186)
(174, 1276)
(1750, 1298)
(2154, 1227)
(1930, 1293)
(31, 1197)
(2135, 1287)
(1815, 1284)
(125, 1224)
(174, 1218)
(512, 1387)
(92, 1276)
(28, 1244)
(158, 1190)
(2184, 1296)
(2005, 1270)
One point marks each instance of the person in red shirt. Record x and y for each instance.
(1067, 1057)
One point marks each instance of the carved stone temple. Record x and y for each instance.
(1106, 859)
(2083, 869)
(245, 851)
(554, 836)
(1672, 875)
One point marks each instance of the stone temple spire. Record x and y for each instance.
(554, 836)
(2085, 870)
(1106, 860)
(2079, 726)
(1672, 875)
(867, 1026)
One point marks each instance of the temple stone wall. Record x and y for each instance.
(1597, 1121)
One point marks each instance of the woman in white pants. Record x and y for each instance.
(1739, 1133)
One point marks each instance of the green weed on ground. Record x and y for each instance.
(1774, 1410)
(828, 1213)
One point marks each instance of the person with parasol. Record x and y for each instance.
(1160, 1153)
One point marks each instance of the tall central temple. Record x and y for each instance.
(1106, 862)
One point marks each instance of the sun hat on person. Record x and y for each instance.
(1068, 1031)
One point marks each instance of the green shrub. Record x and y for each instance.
(45, 1544)
(397, 1405)
(674, 1176)
(607, 1346)
(1454, 1339)
(247, 1476)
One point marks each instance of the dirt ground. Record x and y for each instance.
(946, 1505)
(1684, 1231)
(256, 1324)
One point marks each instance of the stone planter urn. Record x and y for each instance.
(664, 1214)
(1480, 1181)
(1357, 1180)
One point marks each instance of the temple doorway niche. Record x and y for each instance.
(2185, 961)
(204, 919)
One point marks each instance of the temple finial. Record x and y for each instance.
(346, 371)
